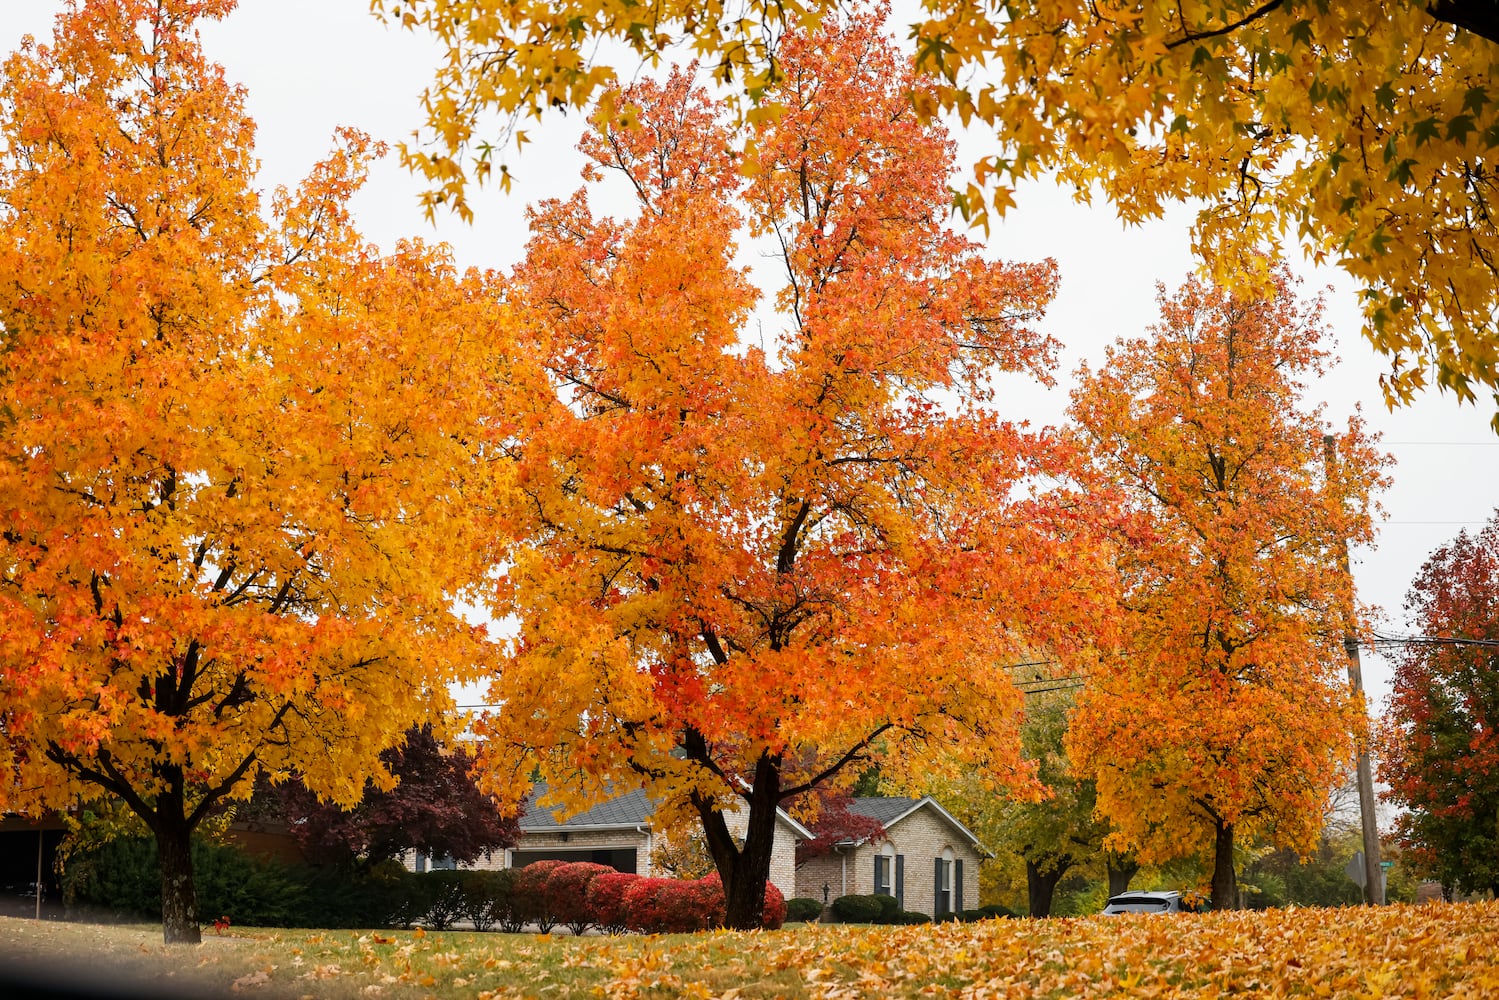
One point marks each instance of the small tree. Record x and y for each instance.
(1226, 712)
(836, 823)
(435, 808)
(1437, 747)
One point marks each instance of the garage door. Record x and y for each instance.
(619, 858)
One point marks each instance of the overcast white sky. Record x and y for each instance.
(312, 65)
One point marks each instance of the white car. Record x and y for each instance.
(1167, 901)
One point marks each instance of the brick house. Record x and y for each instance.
(927, 859)
(617, 833)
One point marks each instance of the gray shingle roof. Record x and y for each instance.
(882, 809)
(628, 810)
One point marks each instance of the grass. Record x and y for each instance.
(1431, 951)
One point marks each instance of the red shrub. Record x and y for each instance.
(533, 901)
(567, 891)
(605, 900)
(774, 914)
(616, 902)
(642, 908)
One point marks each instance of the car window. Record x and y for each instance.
(1139, 905)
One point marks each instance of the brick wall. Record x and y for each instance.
(826, 870)
(921, 837)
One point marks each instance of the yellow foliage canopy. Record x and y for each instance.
(1362, 132)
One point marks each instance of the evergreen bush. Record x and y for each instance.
(853, 909)
(488, 898)
(889, 907)
(122, 878)
(446, 897)
(803, 908)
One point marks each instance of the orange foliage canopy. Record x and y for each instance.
(762, 549)
(1227, 711)
(234, 447)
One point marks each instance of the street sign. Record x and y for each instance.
(1355, 870)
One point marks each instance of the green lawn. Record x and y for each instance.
(1433, 951)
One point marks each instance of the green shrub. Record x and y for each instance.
(996, 910)
(857, 909)
(889, 907)
(803, 908)
(122, 878)
(912, 917)
(488, 898)
(446, 901)
(385, 895)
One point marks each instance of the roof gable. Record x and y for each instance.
(889, 810)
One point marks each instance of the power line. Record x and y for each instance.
(1385, 641)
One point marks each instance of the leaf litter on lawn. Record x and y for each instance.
(1418, 952)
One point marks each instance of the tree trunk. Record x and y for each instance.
(1041, 886)
(1225, 887)
(1122, 871)
(745, 869)
(179, 898)
(744, 886)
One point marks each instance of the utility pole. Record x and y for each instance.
(1373, 872)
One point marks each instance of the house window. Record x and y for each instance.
(421, 862)
(946, 894)
(890, 874)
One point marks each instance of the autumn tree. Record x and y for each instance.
(234, 447)
(1035, 843)
(436, 808)
(1359, 131)
(1437, 749)
(1225, 715)
(759, 552)
(836, 820)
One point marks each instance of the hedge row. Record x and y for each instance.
(884, 909)
(581, 896)
(121, 878)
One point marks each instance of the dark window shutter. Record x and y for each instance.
(937, 908)
(900, 880)
(957, 884)
(874, 885)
